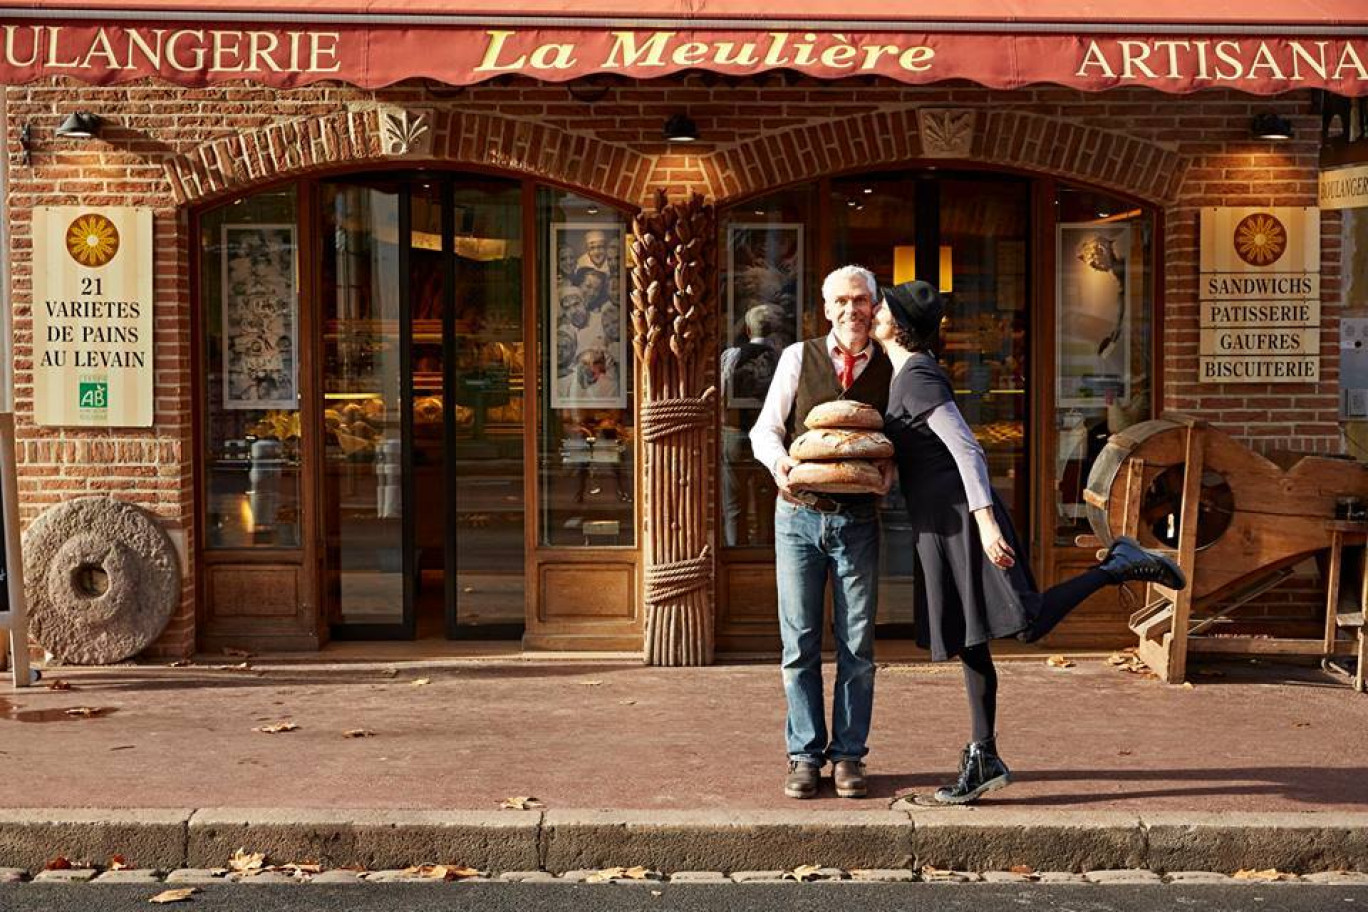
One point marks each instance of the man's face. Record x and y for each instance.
(596, 245)
(850, 310)
(572, 305)
(566, 259)
(592, 284)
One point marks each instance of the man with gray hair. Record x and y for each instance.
(821, 537)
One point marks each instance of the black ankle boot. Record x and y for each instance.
(1126, 561)
(981, 771)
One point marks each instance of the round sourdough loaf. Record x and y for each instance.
(835, 443)
(844, 413)
(850, 476)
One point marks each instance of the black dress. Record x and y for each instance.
(962, 597)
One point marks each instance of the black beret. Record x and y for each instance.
(916, 306)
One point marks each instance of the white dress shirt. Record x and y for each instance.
(767, 436)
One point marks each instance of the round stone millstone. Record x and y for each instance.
(102, 580)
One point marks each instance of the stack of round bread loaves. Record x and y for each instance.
(841, 451)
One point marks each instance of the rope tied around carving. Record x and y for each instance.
(666, 582)
(663, 417)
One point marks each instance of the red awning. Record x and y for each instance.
(1169, 45)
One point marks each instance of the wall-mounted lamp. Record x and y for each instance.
(26, 144)
(1270, 126)
(680, 128)
(80, 125)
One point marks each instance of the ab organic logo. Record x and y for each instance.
(94, 394)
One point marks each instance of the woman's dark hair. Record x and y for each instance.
(917, 340)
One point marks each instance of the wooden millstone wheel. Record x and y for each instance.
(102, 580)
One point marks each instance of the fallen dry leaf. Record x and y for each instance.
(420, 682)
(520, 803)
(181, 663)
(932, 873)
(1021, 869)
(58, 684)
(627, 702)
(634, 873)
(590, 683)
(232, 653)
(1187, 685)
(1118, 658)
(85, 712)
(441, 872)
(170, 896)
(803, 873)
(117, 863)
(276, 728)
(1301, 724)
(1124, 753)
(1266, 874)
(358, 733)
(244, 861)
(1058, 661)
(390, 672)
(296, 870)
(59, 863)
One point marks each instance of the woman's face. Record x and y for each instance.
(884, 326)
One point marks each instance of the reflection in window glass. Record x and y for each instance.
(1103, 343)
(249, 293)
(767, 281)
(585, 432)
(362, 394)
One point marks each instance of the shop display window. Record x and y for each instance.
(770, 298)
(249, 293)
(586, 439)
(1104, 295)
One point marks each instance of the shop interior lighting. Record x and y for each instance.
(905, 266)
(680, 128)
(1271, 126)
(79, 125)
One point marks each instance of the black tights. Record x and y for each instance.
(980, 682)
(980, 676)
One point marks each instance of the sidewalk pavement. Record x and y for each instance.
(1257, 765)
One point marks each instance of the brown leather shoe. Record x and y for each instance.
(849, 776)
(802, 779)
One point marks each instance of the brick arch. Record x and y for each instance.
(1030, 142)
(233, 164)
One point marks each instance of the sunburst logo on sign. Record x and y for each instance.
(92, 240)
(1260, 239)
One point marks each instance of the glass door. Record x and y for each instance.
(368, 566)
(968, 234)
(483, 329)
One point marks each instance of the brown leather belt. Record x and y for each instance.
(813, 502)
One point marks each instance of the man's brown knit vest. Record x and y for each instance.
(818, 383)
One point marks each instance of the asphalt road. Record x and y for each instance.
(817, 897)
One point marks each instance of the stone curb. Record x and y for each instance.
(374, 840)
(975, 839)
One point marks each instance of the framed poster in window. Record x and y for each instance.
(588, 316)
(764, 306)
(1093, 316)
(260, 317)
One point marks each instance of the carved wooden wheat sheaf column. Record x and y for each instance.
(674, 323)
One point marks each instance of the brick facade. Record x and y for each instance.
(171, 148)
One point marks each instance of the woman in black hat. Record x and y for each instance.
(971, 585)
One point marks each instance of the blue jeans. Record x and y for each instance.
(808, 547)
